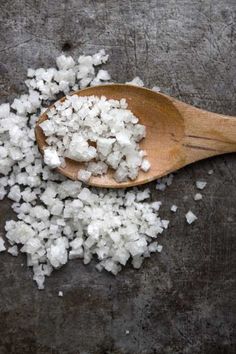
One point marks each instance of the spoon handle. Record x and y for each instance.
(206, 133)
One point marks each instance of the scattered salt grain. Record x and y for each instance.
(161, 186)
(97, 168)
(190, 217)
(103, 75)
(165, 223)
(57, 207)
(13, 251)
(143, 195)
(174, 208)
(156, 89)
(84, 175)
(145, 166)
(164, 182)
(51, 158)
(156, 205)
(4, 110)
(64, 63)
(58, 219)
(136, 81)
(153, 247)
(2, 245)
(3, 192)
(210, 172)
(60, 293)
(3, 152)
(15, 193)
(201, 184)
(197, 196)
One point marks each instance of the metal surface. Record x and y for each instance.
(182, 300)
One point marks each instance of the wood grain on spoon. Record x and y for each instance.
(177, 134)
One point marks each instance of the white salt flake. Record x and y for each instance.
(15, 193)
(103, 75)
(197, 196)
(57, 207)
(174, 208)
(143, 195)
(165, 223)
(190, 217)
(136, 81)
(13, 251)
(51, 158)
(156, 89)
(48, 127)
(84, 175)
(80, 150)
(2, 245)
(97, 168)
(201, 184)
(104, 145)
(164, 182)
(156, 205)
(4, 110)
(57, 252)
(145, 166)
(64, 62)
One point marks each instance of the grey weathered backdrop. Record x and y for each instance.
(182, 300)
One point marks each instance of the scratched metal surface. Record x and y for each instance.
(182, 300)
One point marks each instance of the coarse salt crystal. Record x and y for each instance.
(136, 81)
(174, 208)
(201, 184)
(190, 217)
(145, 166)
(15, 193)
(165, 223)
(156, 89)
(51, 158)
(84, 175)
(2, 246)
(197, 196)
(13, 251)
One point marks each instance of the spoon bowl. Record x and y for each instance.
(177, 134)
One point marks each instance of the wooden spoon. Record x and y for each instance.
(177, 134)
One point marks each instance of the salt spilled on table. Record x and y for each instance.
(57, 219)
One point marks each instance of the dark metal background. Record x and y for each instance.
(182, 300)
